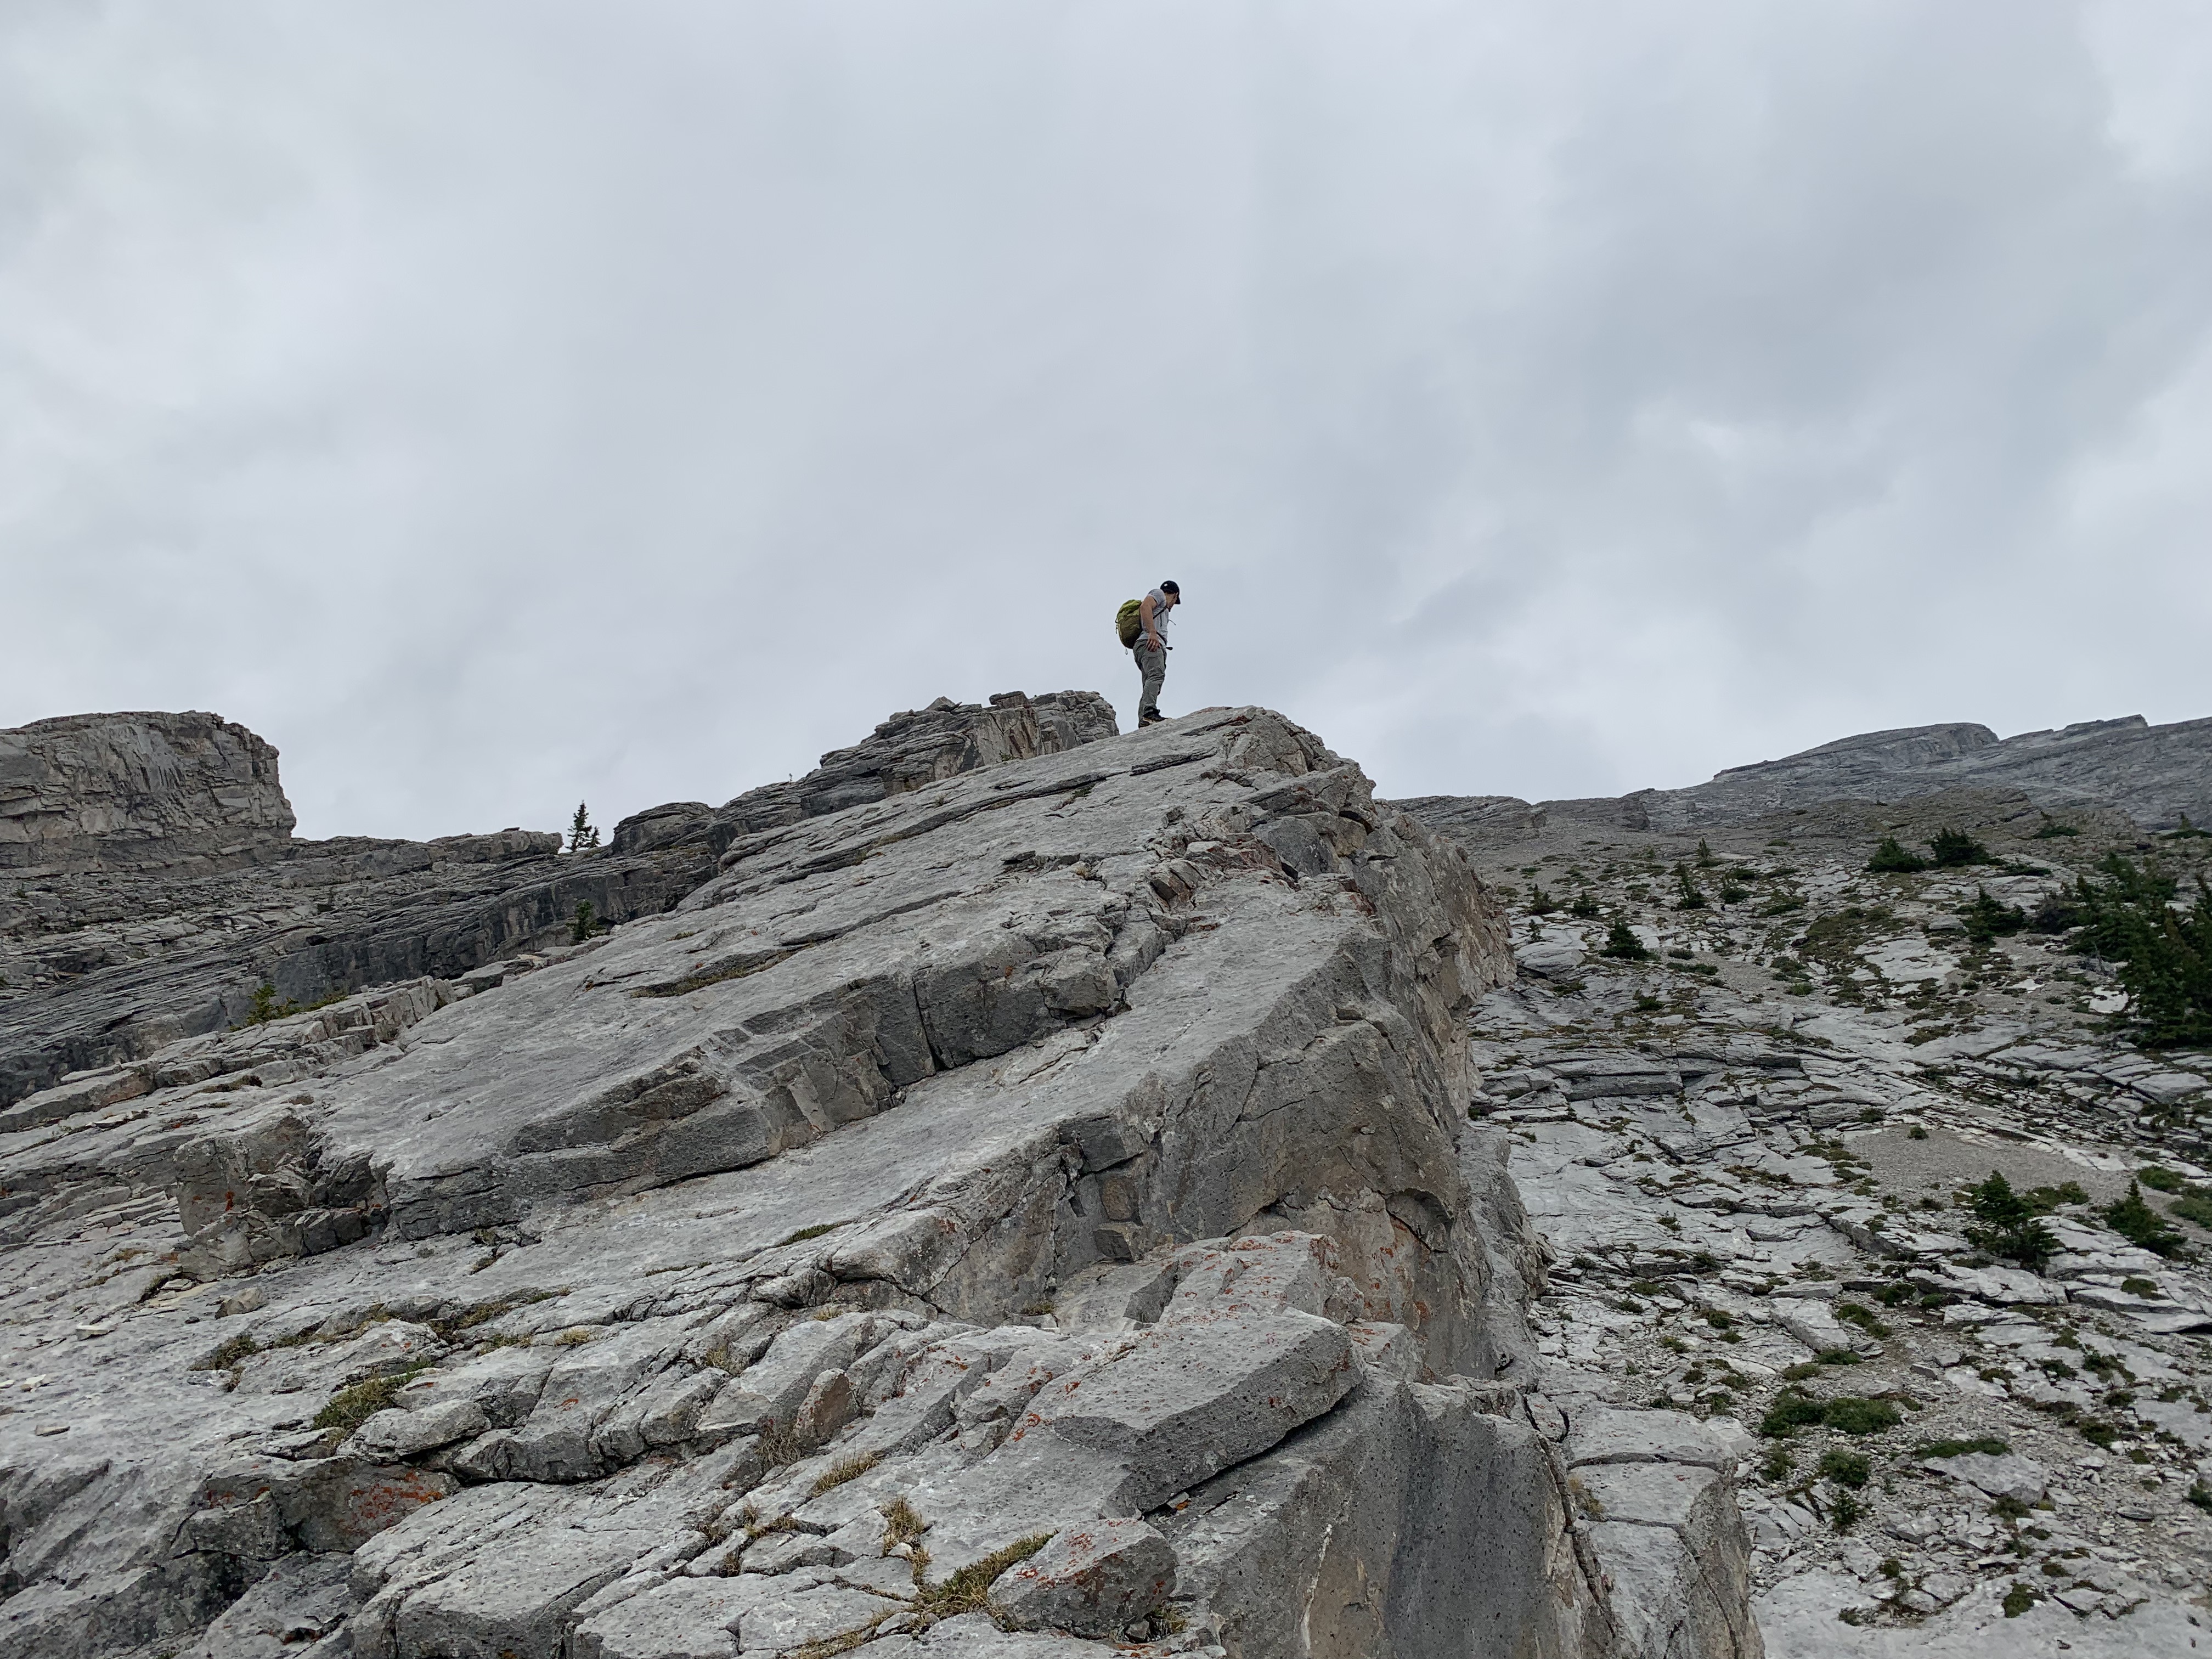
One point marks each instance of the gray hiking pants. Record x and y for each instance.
(1153, 665)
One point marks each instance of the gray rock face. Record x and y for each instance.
(124, 791)
(1038, 1192)
(168, 888)
(2155, 774)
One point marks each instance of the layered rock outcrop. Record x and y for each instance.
(155, 916)
(1024, 1209)
(134, 791)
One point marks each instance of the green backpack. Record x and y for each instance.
(1130, 622)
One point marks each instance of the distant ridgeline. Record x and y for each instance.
(2158, 775)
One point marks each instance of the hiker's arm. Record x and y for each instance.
(1151, 635)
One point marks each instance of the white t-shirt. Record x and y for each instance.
(1161, 613)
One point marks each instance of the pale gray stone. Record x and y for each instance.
(1093, 1579)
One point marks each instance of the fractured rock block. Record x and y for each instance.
(1184, 1402)
(1092, 1579)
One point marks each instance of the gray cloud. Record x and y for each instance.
(498, 404)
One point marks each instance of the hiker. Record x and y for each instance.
(1143, 626)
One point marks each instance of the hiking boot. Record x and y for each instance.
(1150, 717)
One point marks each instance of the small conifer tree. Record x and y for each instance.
(583, 833)
(1621, 942)
(1891, 859)
(585, 924)
(1986, 919)
(1693, 897)
(1954, 850)
(1705, 859)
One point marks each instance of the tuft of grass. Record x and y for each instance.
(240, 1347)
(351, 1406)
(845, 1469)
(902, 1522)
(815, 1231)
(967, 1589)
(780, 1446)
(2018, 1599)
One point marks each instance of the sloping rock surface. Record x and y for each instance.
(154, 885)
(1039, 1196)
(1750, 1148)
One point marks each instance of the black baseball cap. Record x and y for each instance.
(1170, 587)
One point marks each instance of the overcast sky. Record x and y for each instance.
(494, 404)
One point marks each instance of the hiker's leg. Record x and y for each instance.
(1153, 665)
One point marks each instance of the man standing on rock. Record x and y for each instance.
(1152, 649)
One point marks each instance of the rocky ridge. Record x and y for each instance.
(2157, 776)
(172, 889)
(1747, 1154)
(1018, 1197)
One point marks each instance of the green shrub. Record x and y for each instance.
(1691, 896)
(2008, 1225)
(1705, 859)
(2200, 1495)
(1783, 905)
(1954, 850)
(2164, 955)
(1986, 1446)
(1583, 905)
(2162, 1181)
(2141, 1225)
(1892, 859)
(1852, 1312)
(2196, 1206)
(2059, 913)
(2051, 830)
(1734, 892)
(585, 924)
(1620, 941)
(2018, 1599)
(1792, 1410)
(1540, 904)
(1986, 919)
(1852, 1415)
(1845, 1512)
(1845, 1468)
